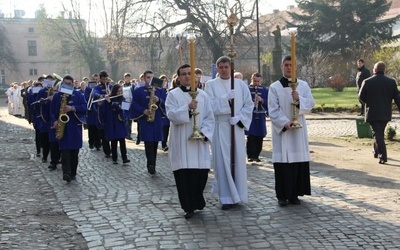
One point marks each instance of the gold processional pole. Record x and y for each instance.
(232, 21)
(196, 135)
(293, 81)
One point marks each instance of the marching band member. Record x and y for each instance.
(258, 127)
(127, 92)
(33, 110)
(100, 91)
(69, 134)
(145, 109)
(115, 118)
(165, 120)
(55, 153)
(91, 116)
(44, 98)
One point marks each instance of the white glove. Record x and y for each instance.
(230, 95)
(234, 120)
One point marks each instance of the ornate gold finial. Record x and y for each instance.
(232, 21)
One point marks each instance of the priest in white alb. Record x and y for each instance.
(230, 190)
(190, 160)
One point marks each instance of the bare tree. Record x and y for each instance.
(205, 18)
(316, 68)
(7, 58)
(69, 41)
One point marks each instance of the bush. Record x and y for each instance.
(390, 132)
(337, 83)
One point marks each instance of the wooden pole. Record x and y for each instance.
(232, 22)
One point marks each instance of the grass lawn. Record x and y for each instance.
(328, 100)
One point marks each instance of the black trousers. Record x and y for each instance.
(165, 139)
(37, 141)
(122, 148)
(254, 146)
(128, 125)
(378, 132)
(94, 136)
(292, 180)
(45, 144)
(137, 132)
(105, 143)
(190, 184)
(151, 152)
(55, 153)
(70, 161)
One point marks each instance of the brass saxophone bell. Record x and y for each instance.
(64, 118)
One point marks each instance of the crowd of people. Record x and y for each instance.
(226, 111)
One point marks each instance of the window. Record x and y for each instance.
(2, 77)
(32, 50)
(33, 72)
(31, 30)
(65, 50)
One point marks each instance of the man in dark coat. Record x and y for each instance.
(377, 93)
(362, 74)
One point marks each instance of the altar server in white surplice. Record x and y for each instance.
(230, 191)
(290, 151)
(190, 160)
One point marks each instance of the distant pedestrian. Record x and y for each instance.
(377, 93)
(362, 74)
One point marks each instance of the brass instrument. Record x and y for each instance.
(256, 103)
(152, 106)
(57, 78)
(63, 118)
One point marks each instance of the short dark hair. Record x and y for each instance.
(223, 59)
(68, 77)
(256, 75)
(184, 66)
(103, 74)
(147, 72)
(40, 78)
(198, 71)
(287, 58)
(50, 77)
(94, 75)
(360, 60)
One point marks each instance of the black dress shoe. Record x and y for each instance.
(37, 154)
(282, 203)
(382, 161)
(226, 206)
(108, 156)
(115, 162)
(44, 160)
(151, 169)
(52, 167)
(67, 178)
(188, 214)
(250, 160)
(294, 201)
(257, 160)
(73, 177)
(91, 146)
(137, 142)
(126, 161)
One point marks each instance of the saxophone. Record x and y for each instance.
(152, 106)
(63, 118)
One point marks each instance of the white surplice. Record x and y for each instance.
(292, 145)
(229, 190)
(184, 153)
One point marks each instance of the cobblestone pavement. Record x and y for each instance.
(122, 207)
